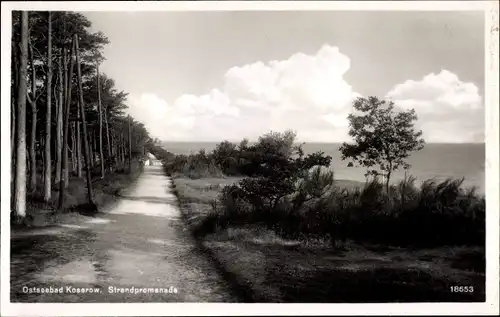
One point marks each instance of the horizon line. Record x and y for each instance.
(314, 142)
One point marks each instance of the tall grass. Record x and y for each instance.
(435, 213)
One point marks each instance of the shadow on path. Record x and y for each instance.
(150, 199)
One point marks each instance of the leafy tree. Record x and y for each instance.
(276, 165)
(383, 137)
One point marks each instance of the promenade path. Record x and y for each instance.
(136, 251)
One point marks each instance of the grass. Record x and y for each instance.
(434, 214)
(203, 190)
(279, 269)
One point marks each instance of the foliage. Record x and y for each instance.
(194, 166)
(383, 138)
(226, 156)
(274, 166)
(314, 185)
(434, 214)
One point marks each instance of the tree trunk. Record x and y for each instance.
(59, 124)
(84, 123)
(78, 138)
(48, 119)
(20, 178)
(67, 96)
(13, 103)
(112, 139)
(115, 150)
(108, 144)
(122, 144)
(94, 146)
(13, 135)
(91, 148)
(73, 147)
(129, 144)
(65, 174)
(101, 152)
(114, 147)
(32, 150)
(387, 181)
(118, 150)
(119, 141)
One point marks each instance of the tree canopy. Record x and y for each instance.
(383, 137)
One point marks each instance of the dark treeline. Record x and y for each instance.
(55, 75)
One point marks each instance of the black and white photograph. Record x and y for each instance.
(197, 153)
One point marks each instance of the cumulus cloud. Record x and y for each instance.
(449, 109)
(307, 93)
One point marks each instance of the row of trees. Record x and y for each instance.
(76, 121)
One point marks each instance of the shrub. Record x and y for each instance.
(194, 166)
(276, 166)
(314, 185)
(433, 214)
(226, 156)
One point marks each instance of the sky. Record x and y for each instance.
(211, 76)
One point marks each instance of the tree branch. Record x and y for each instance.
(43, 89)
(41, 58)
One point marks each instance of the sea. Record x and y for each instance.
(435, 161)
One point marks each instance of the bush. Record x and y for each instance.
(194, 166)
(314, 184)
(227, 157)
(274, 156)
(276, 167)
